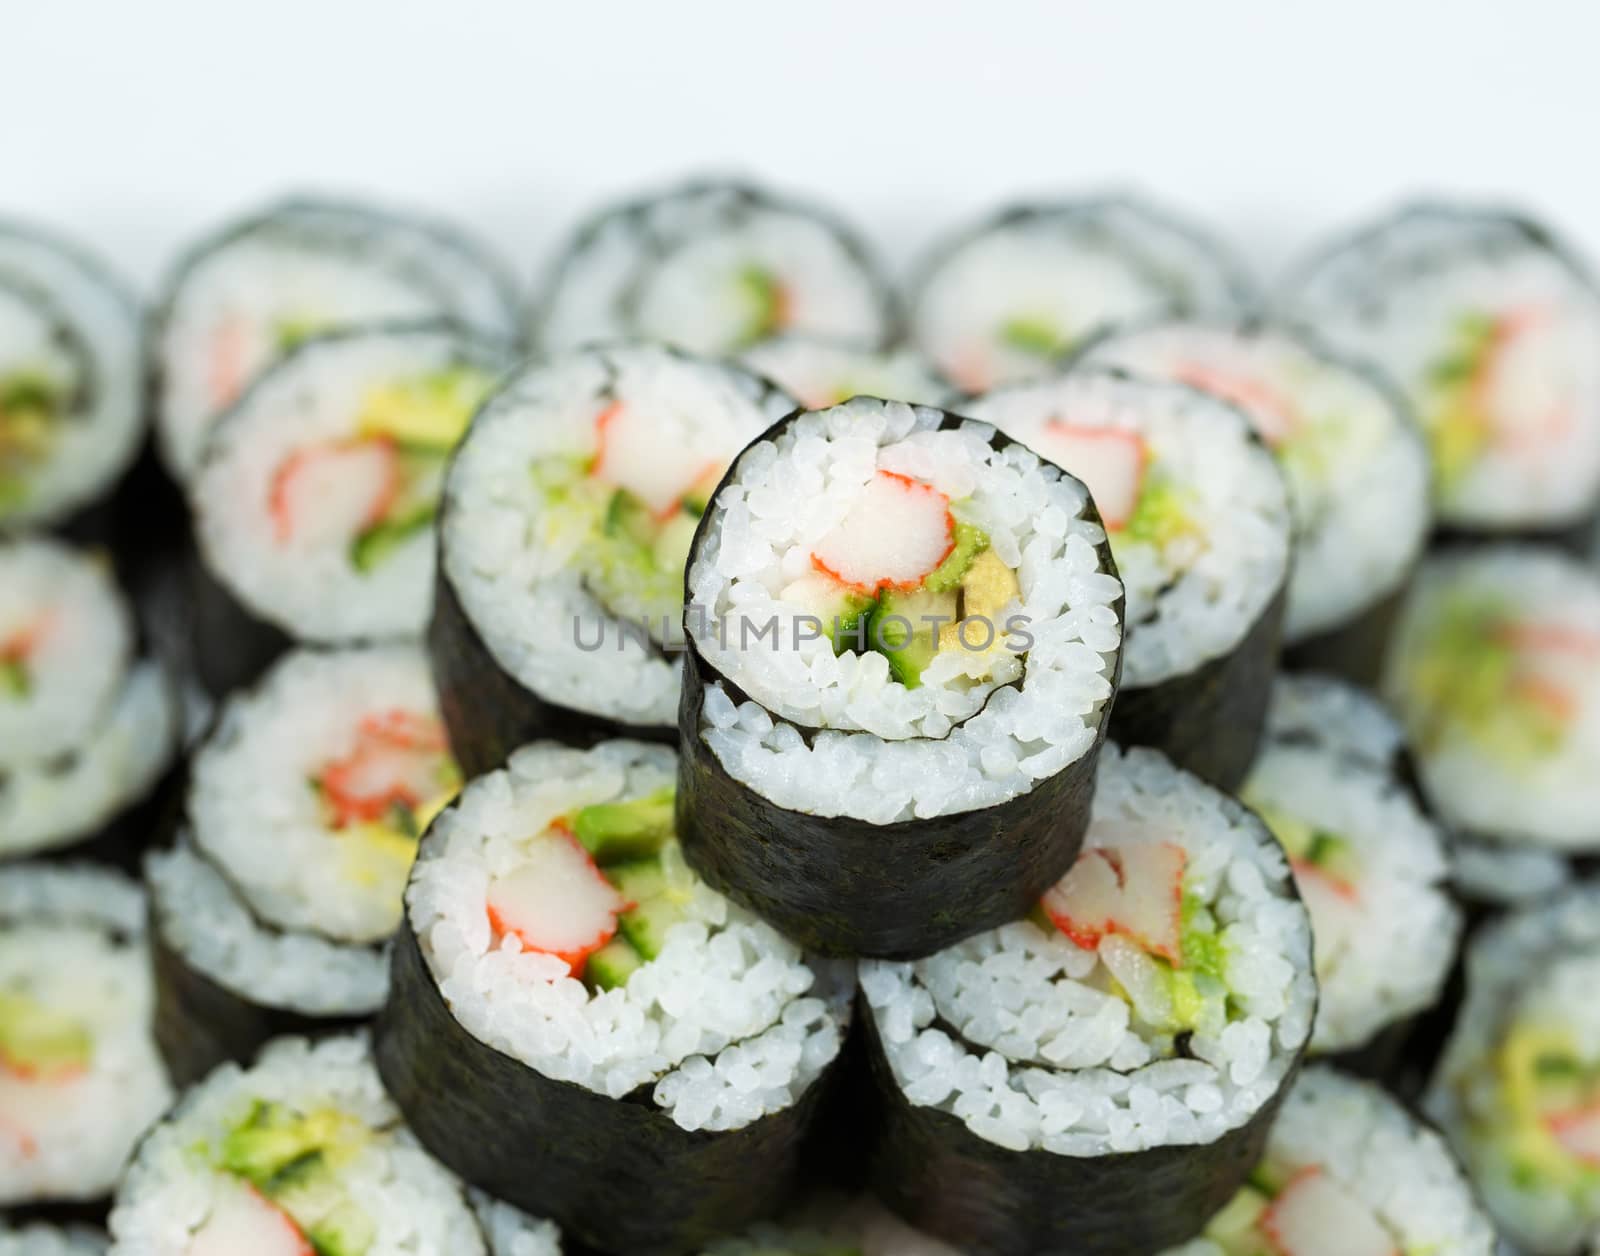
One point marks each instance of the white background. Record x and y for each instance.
(137, 123)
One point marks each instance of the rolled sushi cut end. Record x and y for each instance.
(1486, 322)
(80, 1078)
(42, 1239)
(1495, 671)
(823, 372)
(303, 1154)
(832, 1226)
(1007, 299)
(1348, 1172)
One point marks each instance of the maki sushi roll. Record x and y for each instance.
(40, 1239)
(247, 294)
(832, 1226)
(1518, 1090)
(904, 634)
(1199, 518)
(823, 373)
(1003, 300)
(87, 728)
(1495, 671)
(713, 267)
(1348, 1172)
(566, 525)
(1356, 463)
(305, 806)
(80, 1078)
(315, 498)
(71, 379)
(1370, 866)
(1100, 1077)
(561, 969)
(1488, 324)
(304, 1153)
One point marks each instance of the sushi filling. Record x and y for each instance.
(46, 384)
(823, 373)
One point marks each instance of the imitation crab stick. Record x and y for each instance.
(1135, 890)
(896, 532)
(556, 901)
(1109, 461)
(335, 490)
(1314, 1216)
(395, 762)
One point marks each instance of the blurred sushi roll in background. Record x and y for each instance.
(1100, 1077)
(42, 1239)
(823, 373)
(712, 267)
(833, 1226)
(304, 810)
(315, 497)
(583, 1027)
(1005, 300)
(1488, 324)
(903, 636)
(566, 525)
(1200, 521)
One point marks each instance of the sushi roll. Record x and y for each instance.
(823, 373)
(1200, 520)
(1004, 300)
(1490, 875)
(87, 728)
(566, 524)
(1348, 1172)
(712, 267)
(1370, 866)
(1098, 1078)
(71, 379)
(833, 1226)
(582, 1027)
(315, 497)
(1356, 463)
(1518, 1090)
(1495, 671)
(305, 805)
(40, 1239)
(303, 1154)
(80, 1078)
(904, 634)
(247, 294)
(1488, 324)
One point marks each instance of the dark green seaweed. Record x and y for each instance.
(232, 647)
(1353, 651)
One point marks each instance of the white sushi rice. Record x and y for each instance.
(72, 940)
(1492, 872)
(1048, 1058)
(832, 1226)
(306, 583)
(1336, 716)
(514, 567)
(1356, 463)
(823, 372)
(257, 818)
(1194, 599)
(47, 1240)
(418, 1206)
(724, 1024)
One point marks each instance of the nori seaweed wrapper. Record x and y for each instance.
(231, 647)
(619, 1174)
(1353, 651)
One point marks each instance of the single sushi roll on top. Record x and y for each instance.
(1099, 1077)
(713, 267)
(567, 520)
(80, 1078)
(823, 373)
(247, 294)
(1004, 300)
(561, 968)
(303, 1154)
(1489, 325)
(904, 634)
(1200, 521)
(71, 379)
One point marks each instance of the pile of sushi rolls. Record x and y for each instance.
(1099, 1077)
(1495, 671)
(904, 632)
(832, 1226)
(71, 379)
(1518, 1090)
(823, 373)
(1372, 869)
(315, 498)
(304, 1153)
(1355, 460)
(247, 294)
(1348, 1172)
(1004, 300)
(1488, 324)
(40, 1239)
(713, 267)
(1200, 520)
(579, 1025)
(80, 1077)
(87, 728)
(305, 807)
(566, 524)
